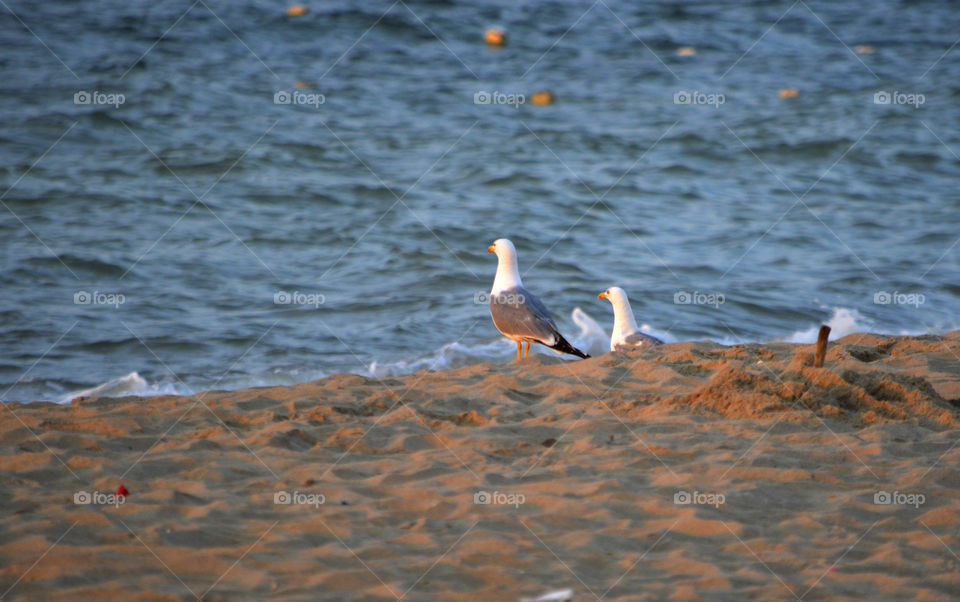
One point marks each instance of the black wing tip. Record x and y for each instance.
(578, 353)
(565, 347)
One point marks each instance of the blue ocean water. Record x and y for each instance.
(216, 195)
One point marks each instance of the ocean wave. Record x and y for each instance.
(130, 384)
(844, 321)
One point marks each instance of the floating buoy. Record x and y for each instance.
(301, 85)
(863, 49)
(297, 10)
(122, 491)
(495, 36)
(541, 97)
(686, 51)
(788, 93)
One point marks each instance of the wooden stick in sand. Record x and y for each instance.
(821, 346)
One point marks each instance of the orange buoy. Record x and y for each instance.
(297, 10)
(541, 97)
(495, 36)
(788, 93)
(863, 49)
(686, 51)
(301, 85)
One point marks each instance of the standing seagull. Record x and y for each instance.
(516, 312)
(625, 334)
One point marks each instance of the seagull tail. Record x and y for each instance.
(564, 347)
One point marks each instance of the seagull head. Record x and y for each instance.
(503, 248)
(613, 294)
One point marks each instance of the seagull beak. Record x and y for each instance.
(602, 295)
(490, 249)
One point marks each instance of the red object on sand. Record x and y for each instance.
(121, 490)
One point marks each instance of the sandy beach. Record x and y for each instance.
(266, 267)
(687, 471)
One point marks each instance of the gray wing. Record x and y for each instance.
(638, 340)
(519, 315)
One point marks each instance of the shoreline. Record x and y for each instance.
(450, 355)
(664, 473)
(884, 382)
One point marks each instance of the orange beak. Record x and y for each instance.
(490, 249)
(602, 295)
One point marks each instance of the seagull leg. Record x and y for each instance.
(518, 349)
(526, 351)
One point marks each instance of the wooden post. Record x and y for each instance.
(821, 346)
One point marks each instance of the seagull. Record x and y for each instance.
(516, 312)
(625, 334)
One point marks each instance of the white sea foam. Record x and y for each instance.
(131, 384)
(843, 322)
(451, 355)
